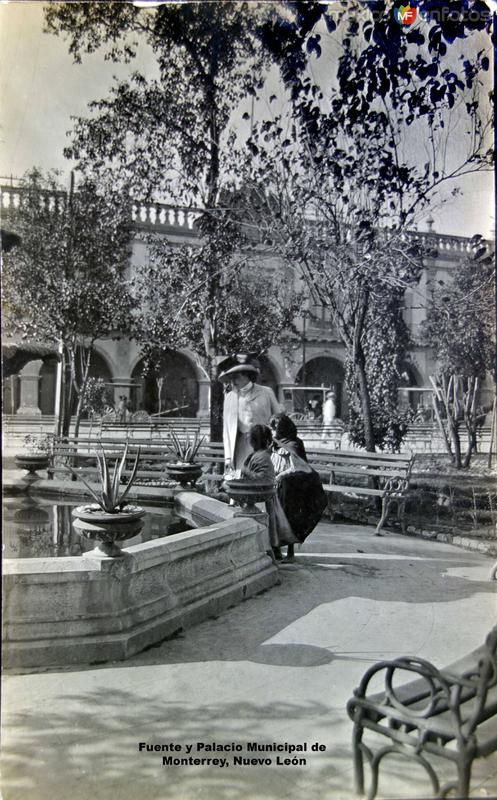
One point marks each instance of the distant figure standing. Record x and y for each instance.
(329, 408)
(329, 412)
(247, 404)
(122, 411)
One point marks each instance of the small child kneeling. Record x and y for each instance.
(259, 466)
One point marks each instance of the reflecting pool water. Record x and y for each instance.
(37, 527)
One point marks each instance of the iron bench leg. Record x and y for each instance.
(357, 748)
(385, 505)
(394, 491)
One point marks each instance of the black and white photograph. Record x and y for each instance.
(249, 433)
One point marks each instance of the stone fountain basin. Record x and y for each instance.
(77, 610)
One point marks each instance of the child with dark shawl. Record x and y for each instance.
(299, 487)
(259, 466)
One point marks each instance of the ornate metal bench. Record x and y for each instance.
(445, 713)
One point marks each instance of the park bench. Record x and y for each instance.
(141, 425)
(344, 472)
(445, 713)
(81, 454)
(361, 474)
(352, 473)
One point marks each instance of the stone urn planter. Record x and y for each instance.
(109, 520)
(183, 473)
(246, 493)
(32, 462)
(108, 529)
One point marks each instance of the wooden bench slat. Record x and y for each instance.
(333, 460)
(387, 473)
(356, 455)
(355, 490)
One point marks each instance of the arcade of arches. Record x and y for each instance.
(174, 389)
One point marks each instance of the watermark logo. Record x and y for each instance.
(405, 15)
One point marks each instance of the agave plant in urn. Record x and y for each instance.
(36, 455)
(110, 519)
(184, 469)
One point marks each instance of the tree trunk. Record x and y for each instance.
(362, 382)
(66, 399)
(456, 443)
(470, 418)
(436, 400)
(216, 409)
(81, 391)
(62, 398)
(451, 401)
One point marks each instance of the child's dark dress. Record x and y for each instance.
(300, 491)
(259, 466)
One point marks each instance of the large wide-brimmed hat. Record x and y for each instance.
(241, 365)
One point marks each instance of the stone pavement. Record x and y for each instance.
(278, 668)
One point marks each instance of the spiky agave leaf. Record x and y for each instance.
(97, 497)
(118, 471)
(131, 478)
(198, 442)
(107, 498)
(177, 448)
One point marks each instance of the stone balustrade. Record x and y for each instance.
(162, 217)
(11, 198)
(443, 244)
(169, 218)
(147, 215)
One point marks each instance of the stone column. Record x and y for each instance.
(203, 398)
(29, 378)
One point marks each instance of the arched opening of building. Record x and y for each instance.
(171, 390)
(48, 374)
(325, 372)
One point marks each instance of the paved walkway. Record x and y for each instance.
(278, 668)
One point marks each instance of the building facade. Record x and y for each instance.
(181, 385)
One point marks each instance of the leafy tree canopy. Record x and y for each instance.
(65, 281)
(460, 324)
(236, 309)
(163, 135)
